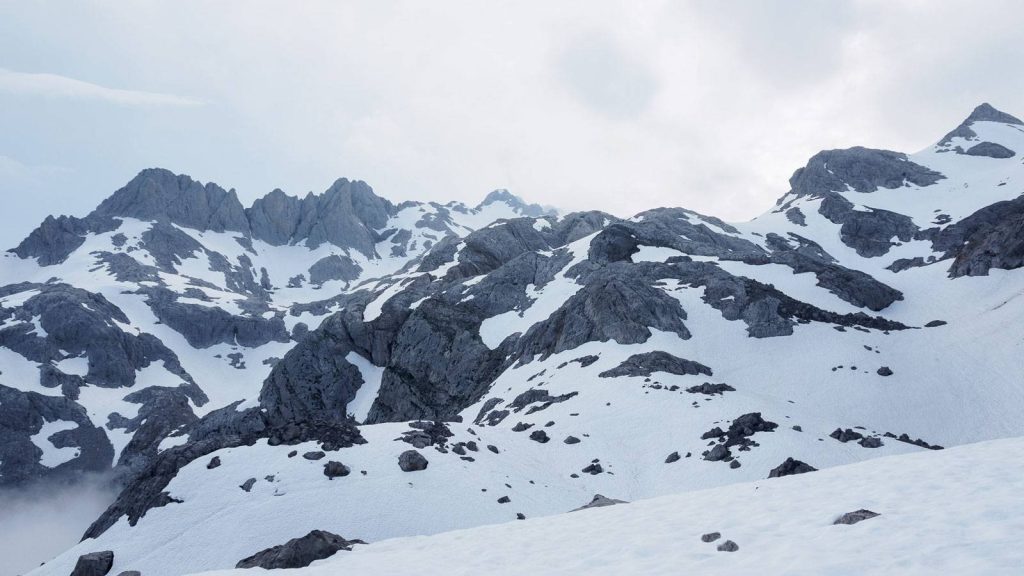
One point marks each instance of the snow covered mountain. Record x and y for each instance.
(344, 364)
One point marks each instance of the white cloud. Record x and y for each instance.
(584, 104)
(56, 86)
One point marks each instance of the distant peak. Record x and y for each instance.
(988, 113)
(503, 196)
(983, 113)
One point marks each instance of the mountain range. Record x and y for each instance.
(370, 370)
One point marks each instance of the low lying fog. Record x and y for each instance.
(39, 523)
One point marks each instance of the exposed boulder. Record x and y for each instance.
(648, 363)
(855, 516)
(412, 461)
(94, 564)
(599, 501)
(299, 552)
(334, 469)
(790, 467)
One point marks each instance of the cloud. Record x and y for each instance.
(42, 522)
(61, 87)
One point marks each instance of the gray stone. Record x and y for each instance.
(885, 371)
(334, 469)
(855, 516)
(412, 461)
(299, 552)
(728, 546)
(710, 537)
(990, 150)
(790, 467)
(647, 363)
(599, 501)
(94, 564)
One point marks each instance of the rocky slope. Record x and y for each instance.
(344, 364)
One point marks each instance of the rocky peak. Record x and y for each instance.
(503, 196)
(987, 113)
(159, 194)
(983, 113)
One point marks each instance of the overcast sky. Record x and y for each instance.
(619, 106)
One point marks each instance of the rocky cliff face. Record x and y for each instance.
(213, 354)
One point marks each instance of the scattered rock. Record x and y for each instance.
(599, 501)
(871, 442)
(94, 564)
(710, 389)
(593, 469)
(856, 516)
(334, 469)
(214, 462)
(315, 455)
(520, 516)
(718, 453)
(710, 536)
(791, 467)
(728, 546)
(845, 436)
(734, 464)
(504, 500)
(673, 457)
(299, 552)
(412, 461)
(571, 440)
(521, 427)
(248, 484)
(935, 323)
(885, 371)
(539, 436)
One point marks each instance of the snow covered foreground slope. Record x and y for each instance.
(533, 361)
(957, 511)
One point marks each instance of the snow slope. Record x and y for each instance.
(957, 511)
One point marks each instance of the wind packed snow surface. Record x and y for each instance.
(957, 511)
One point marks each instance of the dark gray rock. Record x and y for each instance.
(710, 537)
(728, 546)
(412, 461)
(539, 436)
(990, 150)
(599, 501)
(504, 500)
(542, 398)
(673, 457)
(871, 442)
(571, 440)
(94, 564)
(214, 463)
(791, 467)
(935, 324)
(718, 453)
(334, 267)
(855, 516)
(845, 436)
(314, 455)
(885, 371)
(710, 389)
(863, 169)
(248, 484)
(334, 469)
(57, 238)
(299, 552)
(594, 468)
(647, 363)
